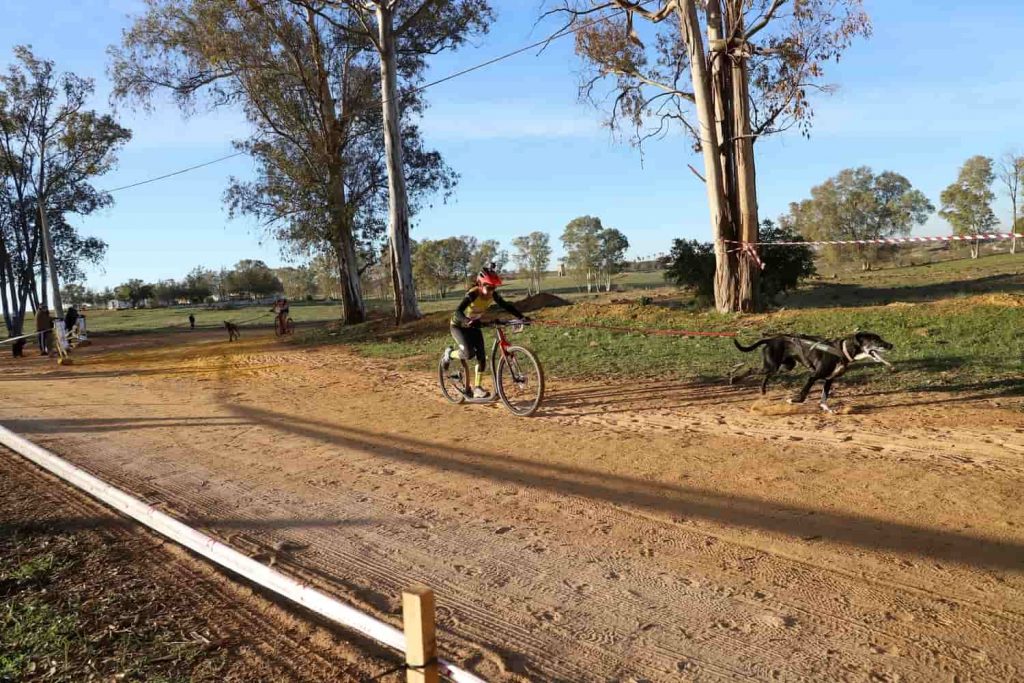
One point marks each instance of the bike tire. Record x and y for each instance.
(290, 326)
(505, 368)
(448, 390)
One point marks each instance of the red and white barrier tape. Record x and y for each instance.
(749, 249)
(883, 240)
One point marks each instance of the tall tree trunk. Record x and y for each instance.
(721, 94)
(406, 307)
(7, 282)
(41, 295)
(3, 295)
(353, 310)
(746, 174)
(721, 228)
(19, 322)
(1013, 224)
(58, 305)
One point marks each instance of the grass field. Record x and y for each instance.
(142, 320)
(956, 325)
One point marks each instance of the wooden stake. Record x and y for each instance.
(420, 643)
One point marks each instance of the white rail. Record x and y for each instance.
(219, 553)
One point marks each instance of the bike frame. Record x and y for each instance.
(500, 343)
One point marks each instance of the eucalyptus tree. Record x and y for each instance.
(51, 148)
(308, 83)
(403, 34)
(728, 72)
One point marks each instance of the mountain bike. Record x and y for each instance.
(518, 376)
(283, 325)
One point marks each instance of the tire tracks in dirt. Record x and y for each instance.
(536, 582)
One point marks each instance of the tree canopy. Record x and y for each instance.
(308, 80)
(967, 202)
(532, 257)
(724, 71)
(51, 148)
(858, 204)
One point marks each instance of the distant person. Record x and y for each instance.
(70, 318)
(280, 311)
(191, 322)
(44, 327)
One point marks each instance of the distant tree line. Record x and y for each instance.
(859, 204)
(250, 279)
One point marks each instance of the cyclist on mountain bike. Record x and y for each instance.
(465, 324)
(281, 311)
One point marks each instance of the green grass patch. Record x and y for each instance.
(1001, 273)
(68, 612)
(958, 344)
(35, 638)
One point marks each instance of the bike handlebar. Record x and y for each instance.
(515, 322)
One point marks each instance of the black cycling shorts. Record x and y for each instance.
(471, 344)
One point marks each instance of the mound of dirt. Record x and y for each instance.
(541, 300)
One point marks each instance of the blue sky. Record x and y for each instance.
(934, 85)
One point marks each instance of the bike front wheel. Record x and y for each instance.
(519, 380)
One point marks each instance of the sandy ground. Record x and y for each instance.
(627, 533)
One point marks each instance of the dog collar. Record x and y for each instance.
(845, 352)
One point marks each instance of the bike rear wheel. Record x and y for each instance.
(453, 380)
(519, 380)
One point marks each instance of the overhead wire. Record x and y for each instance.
(568, 30)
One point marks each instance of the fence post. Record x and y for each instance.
(420, 643)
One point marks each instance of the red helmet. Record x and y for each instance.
(488, 277)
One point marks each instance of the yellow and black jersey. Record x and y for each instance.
(475, 304)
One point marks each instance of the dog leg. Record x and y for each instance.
(804, 390)
(826, 389)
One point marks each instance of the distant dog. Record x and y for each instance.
(827, 359)
(232, 331)
(17, 348)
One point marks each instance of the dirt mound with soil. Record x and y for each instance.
(541, 300)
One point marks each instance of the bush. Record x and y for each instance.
(692, 264)
(785, 266)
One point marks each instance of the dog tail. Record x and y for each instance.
(747, 349)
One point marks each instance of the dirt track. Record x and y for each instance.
(130, 593)
(626, 533)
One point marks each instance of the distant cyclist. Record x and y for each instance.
(465, 324)
(281, 310)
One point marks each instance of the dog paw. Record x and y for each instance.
(794, 401)
(825, 408)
